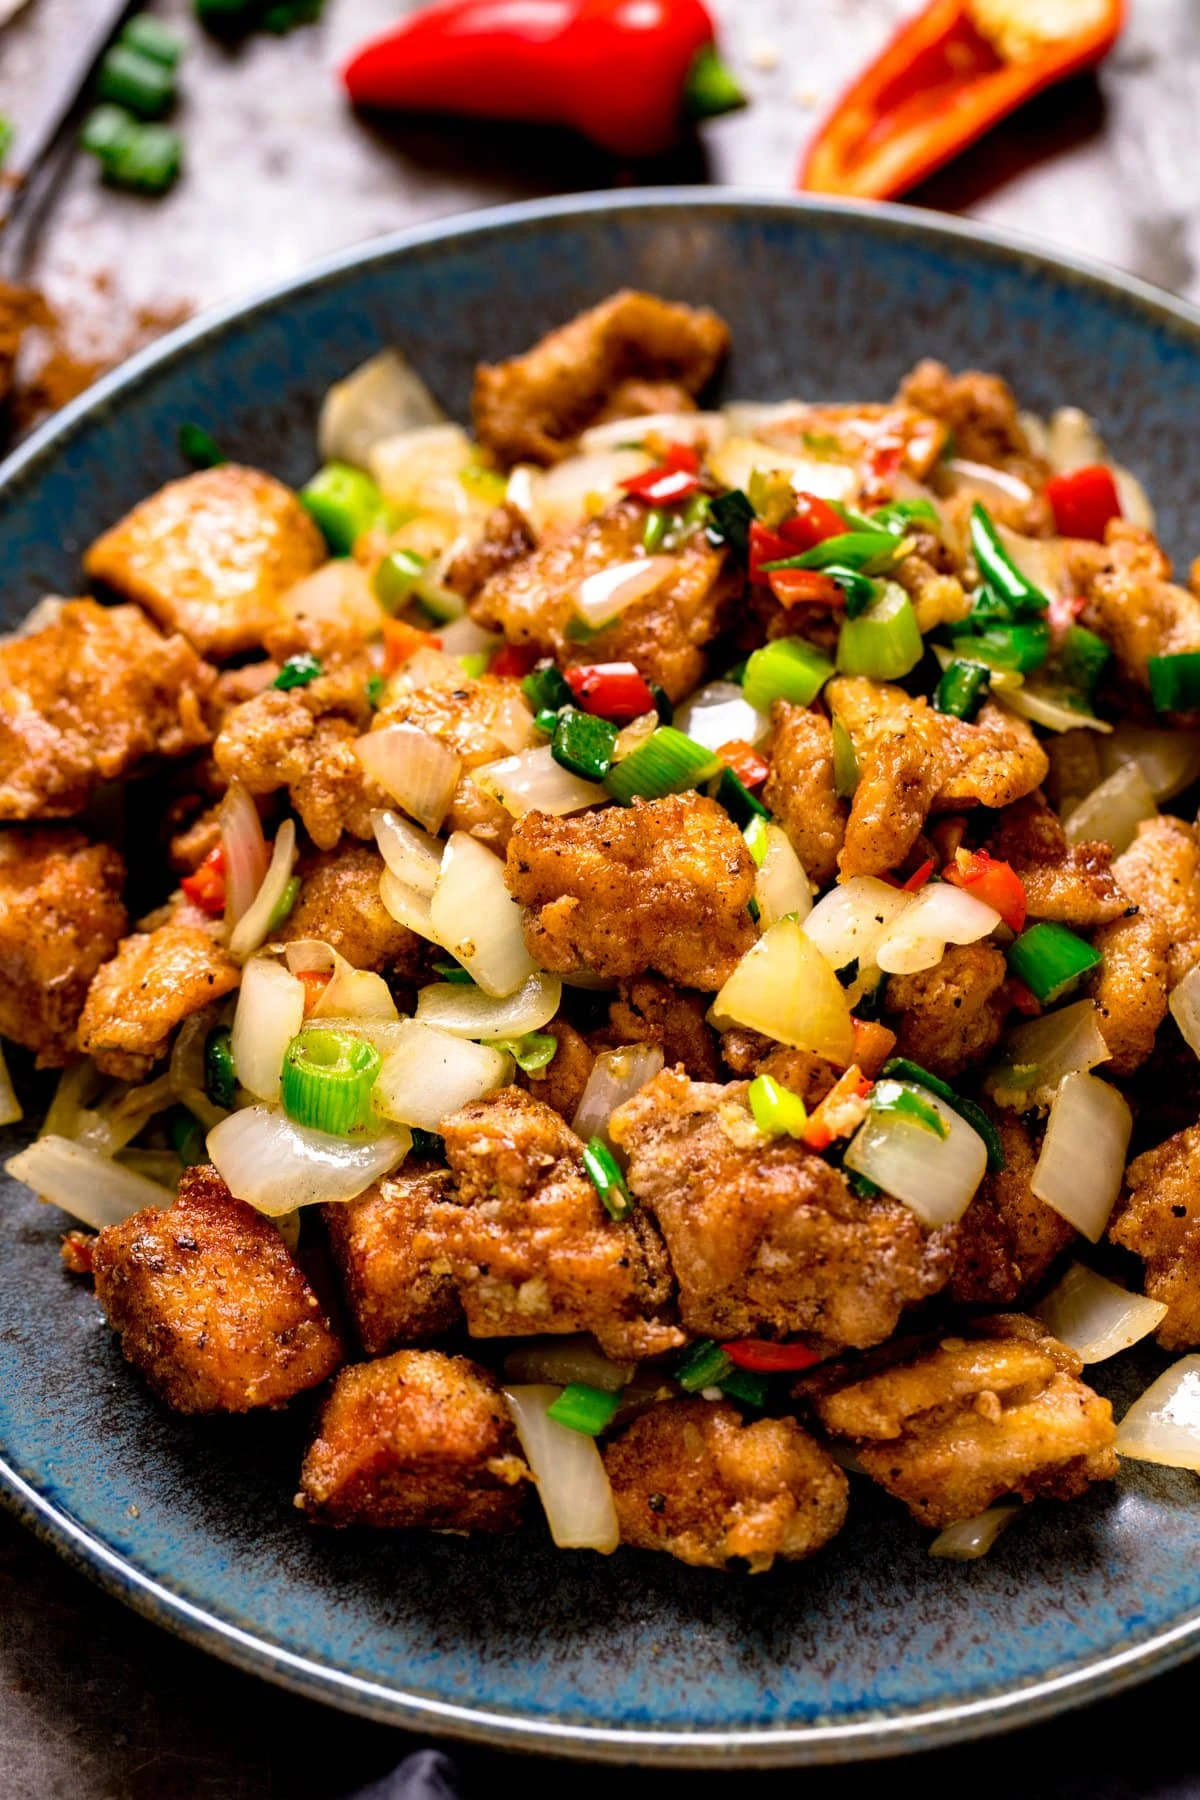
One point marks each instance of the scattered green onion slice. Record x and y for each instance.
(374, 685)
(187, 1136)
(898, 1097)
(8, 132)
(297, 671)
(1082, 659)
(748, 1387)
(1175, 682)
(903, 1070)
(284, 904)
(705, 1365)
(454, 972)
(199, 446)
(658, 519)
(220, 1072)
(885, 641)
(344, 502)
(106, 130)
(584, 744)
(531, 1052)
(962, 690)
(327, 1079)
(755, 834)
(605, 1176)
(730, 517)
(776, 1110)
(547, 689)
(667, 763)
(754, 909)
(789, 668)
(738, 801)
(1051, 960)
(588, 1410)
(475, 663)
(395, 577)
(130, 78)
(145, 33)
(845, 761)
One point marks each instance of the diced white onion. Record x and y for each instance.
(1163, 1425)
(570, 491)
(719, 713)
(429, 1074)
(1072, 441)
(477, 919)
(275, 1165)
(1113, 811)
(607, 593)
(124, 1113)
(349, 993)
(1082, 1161)
(245, 850)
(412, 855)
(270, 1011)
(1040, 560)
(935, 1177)
(339, 594)
(89, 1186)
(161, 1166)
(968, 1539)
(407, 906)
(987, 479)
(735, 462)
(939, 915)
(534, 782)
(414, 767)
(572, 1482)
(383, 396)
(1169, 760)
(781, 886)
(848, 922)
(10, 1107)
(1185, 1008)
(1095, 1317)
(785, 988)
(563, 1360)
(418, 470)
(463, 637)
(1066, 1042)
(252, 927)
(616, 1075)
(1047, 710)
(470, 1013)
(70, 1109)
(699, 428)
(1133, 498)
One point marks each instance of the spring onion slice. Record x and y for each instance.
(1000, 573)
(1051, 960)
(1096, 1317)
(532, 1053)
(901, 1068)
(572, 1483)
(667, 763)
(845, 761)
(1175, 682)
(327, 1080)
(604, 1173)
(962, 689)
(260, 916)
(776, 1110)
(345, 503)
(1082, 1160)
(588, 1410)
(220, 1069)
(1163, 1425)
(705, 1365)
(786, 669)
(884, 642)
(907, 1102)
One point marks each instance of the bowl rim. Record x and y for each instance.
(743, 1746)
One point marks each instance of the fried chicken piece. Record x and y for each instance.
(800, 1071)
(505, 539)
(481, 721)
(339, 903)
(533, 407)
(981, 414)
(690, 1478)
(417, 1438)
(1159, 1220)
(60, 917)
(951, 1016)
(209, 1305)
(89, 697)
(650, 1011)
(948, 1430)
(529, 1243)
(1130, 988)
(764, 1236)
(662, 884)
(1130, 602)
(394, 1295)
(1008, 1240)
(800, 789)
(210, 555)
(1160, 872)
(561, 1083)
(1071, 883)
(156, 980)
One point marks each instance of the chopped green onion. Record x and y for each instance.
(1082, 658)
(199, 446)
(776, 1110)
(106, 130)
(427, 1146)
(588, 1410)
(962, 690)
(1051, 960)
(863, 1186)
(531, 1052)
(755, 834)
(547, 722)
(1023, 646)
(976, 1118)
(738, 801)
(283, 906)
(290, 13)
(374, 685)
(754, 909)
(344, 502)
(788, 668)
(8, 132)
(547, 689)
(885, 642)
(821, 443)
(859, 590)
(396, 576)
(298, 671)
(667, 763)
(455, 973)
(748, 1387)
(220, 1073)
(899, 514)
(1000, 574)
(845, 761)
(129, 78)
(1175, 682)
(605, 1176)
(187, 1136)
(867, 552)
(475, 663)
(730, 517)
(906, 1102)
(327, 1079)
(149, 35)
(584, 744)
(655, 529)
(705, 1365)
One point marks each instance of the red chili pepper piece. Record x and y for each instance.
(671, 481)
(1084, 501)
(767, 1358)
(919, 877)
(514, 659)
(804, 587)
(813, 522)
(1064, 612)
(748, 764)
(402, 640)
(841, 1112)
(1023, 998)
(939, 85)
(205, 886)
(766, 546)
(873, 1044)
(996, 883)
(611, 690)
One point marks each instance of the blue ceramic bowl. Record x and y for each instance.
(873, 1646)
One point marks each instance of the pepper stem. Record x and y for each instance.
(709, 88)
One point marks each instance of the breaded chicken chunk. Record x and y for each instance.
(90, 697)
(662, 885)
(764, 1236)
(61, 916)
(1074, 884)
(1160, 873)
(561, 1083)
(393, 1295)
(417, 1438)
(1159, 1220)
(339, 903)
(210, 555)
(949, 1429)
(1008, 1240)
(1130, 987)
(156, 980)
(209, 1305)
(981, 414)
(690, 1478)
(1131, 601)
(528, 1242)
(951, 1016)
(650, 1011)
(800, 789)
(505, 539)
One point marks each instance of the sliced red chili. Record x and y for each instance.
(402, 640)
(514, 659)
(1023, 998)
(767, 1358)
(675, 479)
(1084, 500)
(748, 764)
(767, 546)
(814, 521)
(205, 886)
(994, 882)
(611, 690)
(916, 881)
(804, 587)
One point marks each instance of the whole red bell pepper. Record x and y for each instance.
(625, 73)
(946, 77)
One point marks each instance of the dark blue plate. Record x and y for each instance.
(873, 1646)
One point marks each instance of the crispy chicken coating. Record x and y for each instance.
(690, 1478)
(61, 916)
(800, 789)
(1130, 988)
(417, 1438)
(481, 721)
(948, 1430)
(505, 539)
(529, 1243)
(764, 1236)
(1071, 883)
(210, 555)
(750, 1053)
(533, 407)
(393, 1294)
(209, 1305)
(156, 980)
(650, 1011)
(1131, 602)
(1159, 1220)
(1007, 1240)
(662, 884)
(561, 1083)
(89, 697)
(1160, 872)
(951, 1016)
(981, 414)
(339, 903)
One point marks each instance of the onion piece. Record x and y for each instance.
(120, 1116)
(848, 922)
(616, 1075)
(781, 886)
(412, 855)
(161, 1166)
(563, 1360)
(567, 493)
(736, 460)
(245, 848)
(572, 1482)
(463, 637)
(968, 1539)
(785, 988)
(270, 1011)
(407, 906)
(338, 594)
(939, 915)
(380, 398)
(251, 929)
(1114, 810)
(936, 1178)
(1095, 1317)
(1082, 1161)
(186, 1070)
(1169, 760)
(10, 1107)
(470, 1013)
(349, 993)
(1163, 1424)
(607, 593)
(534, 782)
(997, 483)
(705, 429)
(1040, 560)
(414, 767)
(85, 1183)
(1038, 1054)
(71, 1106)
(418, 470)
(720, 712)
(1185, 1008)
(1047, 710)
(429, 1074)
(275, 1165)
(477, 919)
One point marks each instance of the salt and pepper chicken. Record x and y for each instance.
(664, 904)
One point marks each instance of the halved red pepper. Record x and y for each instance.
(917, 880)
(767, 1358)
(748, 764)
(611, 690)
(804, 587)
(947, 76)
(1084, 500)
(205, 886)
(988, 879)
